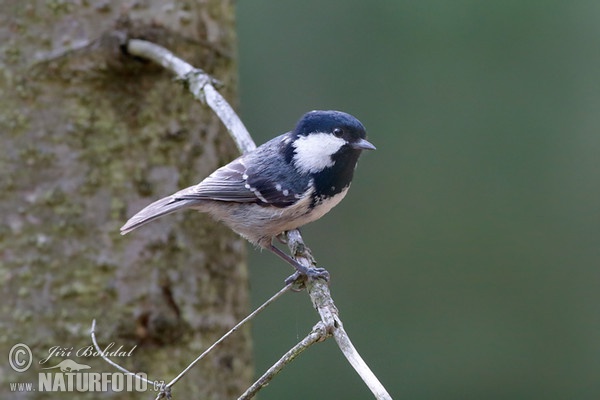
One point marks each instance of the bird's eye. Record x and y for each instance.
(338, 132)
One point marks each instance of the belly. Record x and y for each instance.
(260, 224)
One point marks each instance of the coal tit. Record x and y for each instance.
(291, 180)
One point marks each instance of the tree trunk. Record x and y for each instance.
(88, 137)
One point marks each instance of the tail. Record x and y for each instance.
(157, 209)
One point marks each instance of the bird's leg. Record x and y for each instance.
(300, 269)
(281, 238)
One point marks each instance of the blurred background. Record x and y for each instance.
(465, 259)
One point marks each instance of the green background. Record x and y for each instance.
(465, 259)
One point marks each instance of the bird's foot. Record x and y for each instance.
(298, 279)
(302, 272)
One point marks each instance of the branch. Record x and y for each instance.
(235, 328)
(318, 334)
(108, 360)
(201, 86)
(323, 303)
(165, 390)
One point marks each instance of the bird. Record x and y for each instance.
(287, 182)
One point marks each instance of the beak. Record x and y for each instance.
(362, 144)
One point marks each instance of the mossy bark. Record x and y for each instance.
(88, 136)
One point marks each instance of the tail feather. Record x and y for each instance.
(155, 210)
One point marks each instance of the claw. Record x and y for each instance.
(301, 270)
(298, 279)
(318, 273)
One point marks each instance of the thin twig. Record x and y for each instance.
(318, 333)
(236, 327)
(111, 362)
(359, 365)
(165, 389)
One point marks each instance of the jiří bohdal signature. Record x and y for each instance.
(87, 351)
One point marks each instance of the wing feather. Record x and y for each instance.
(265, 184)
(236, 183)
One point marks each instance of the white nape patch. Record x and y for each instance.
(314, 151)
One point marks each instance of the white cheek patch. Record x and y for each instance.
(313, 152)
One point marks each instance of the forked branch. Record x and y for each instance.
(201, 86)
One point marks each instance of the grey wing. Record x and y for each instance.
(237, 183)
(228, 183)
(233, 182)
(224, 184)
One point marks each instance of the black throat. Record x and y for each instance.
(333, 180)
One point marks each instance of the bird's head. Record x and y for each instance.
(326, 145)
(326, 139)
